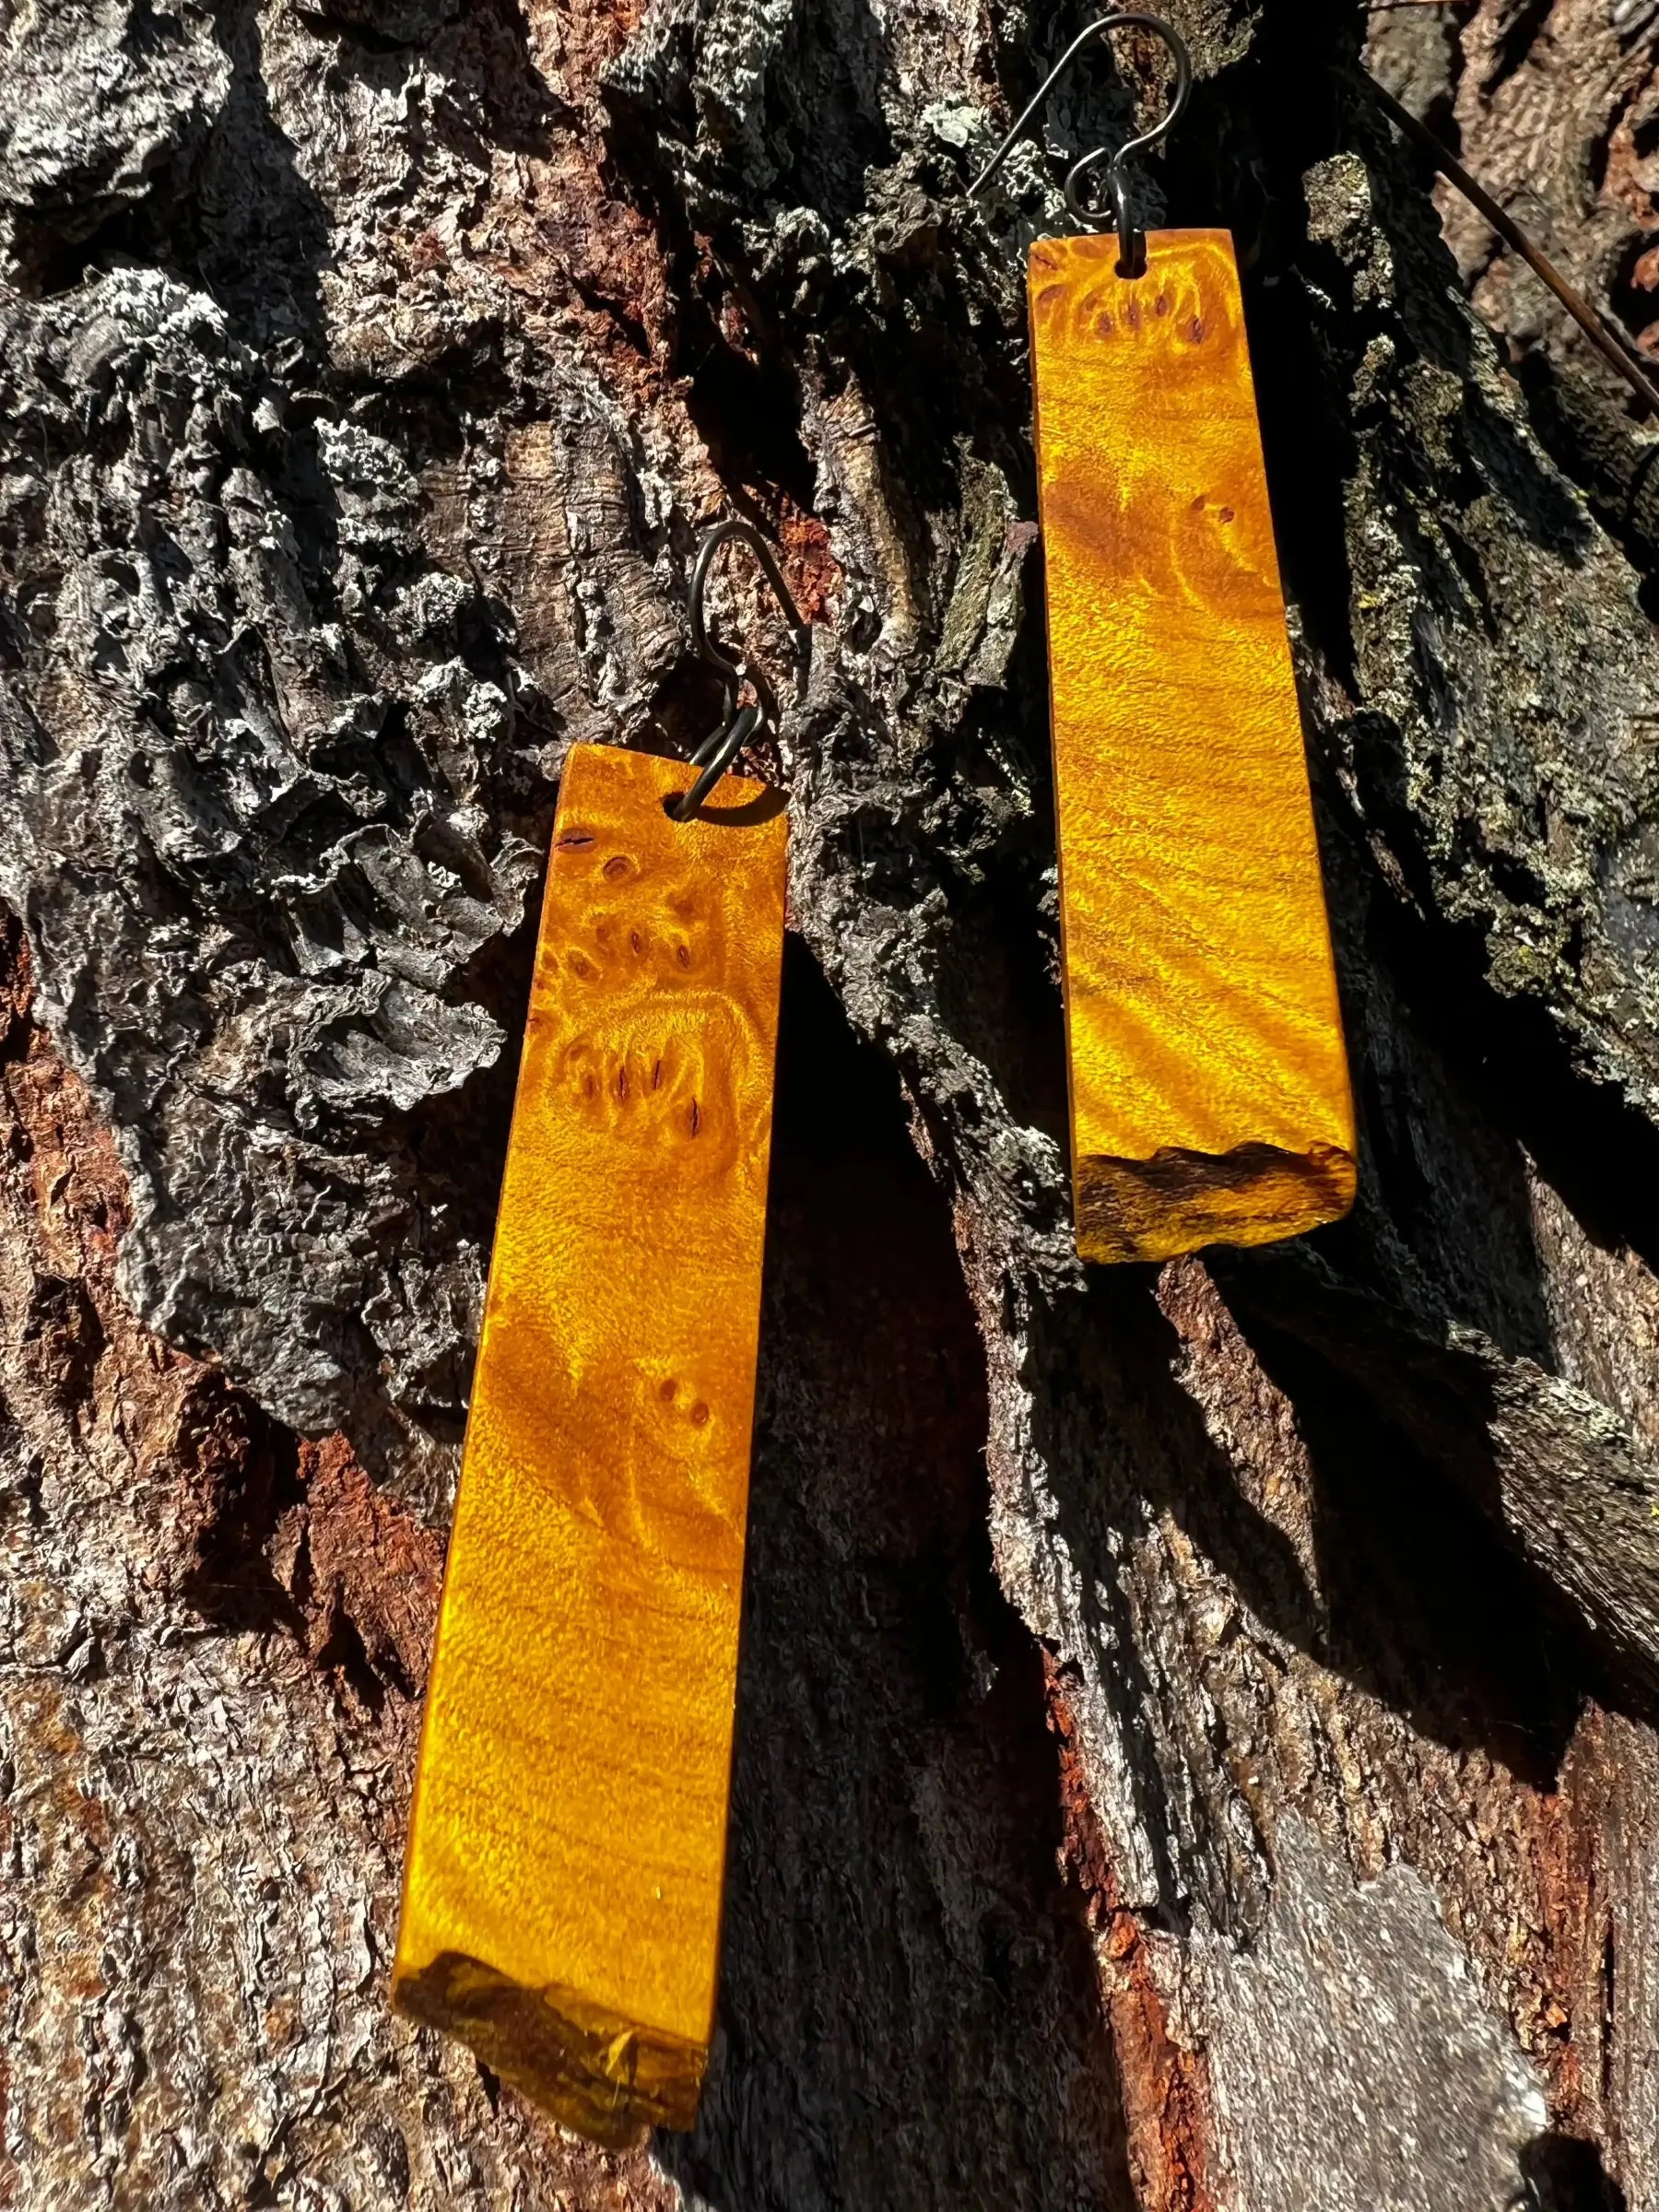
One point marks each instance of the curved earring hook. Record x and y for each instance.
(715, 755)
(1132, 256)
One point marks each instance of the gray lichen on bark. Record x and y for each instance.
(259, 944)
(265, 871)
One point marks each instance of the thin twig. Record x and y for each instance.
(1614, 348)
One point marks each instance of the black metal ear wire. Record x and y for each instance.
(715, 755)
(1119, 217)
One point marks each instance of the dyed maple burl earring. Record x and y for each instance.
(567, 1845)
(1209, 1089)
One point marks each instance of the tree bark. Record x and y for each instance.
(1196, 1743)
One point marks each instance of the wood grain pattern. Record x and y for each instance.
(562, 1893)
(1209, 1090)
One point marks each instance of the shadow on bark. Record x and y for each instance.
(1416, 1597)
(1598, 1151)
(1566, 2175)
(909, 2012)
(1427, 1608)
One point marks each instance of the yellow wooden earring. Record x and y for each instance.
(567, 1846)
(1209, 1089)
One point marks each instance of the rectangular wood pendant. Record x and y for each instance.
(1209, 1089)
(567, 1847)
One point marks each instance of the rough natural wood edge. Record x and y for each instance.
(1179, 1201)
(608, 2078)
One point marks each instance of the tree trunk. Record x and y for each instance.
(1196, 1743)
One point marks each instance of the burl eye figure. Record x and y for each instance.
(635, 1015)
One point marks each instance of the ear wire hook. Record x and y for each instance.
(715, 755)
(1132, 259)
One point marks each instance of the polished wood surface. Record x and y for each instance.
(1209, 1090)
(562, 1893)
